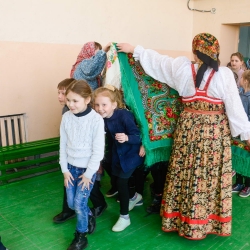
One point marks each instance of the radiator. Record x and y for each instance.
(12, 130)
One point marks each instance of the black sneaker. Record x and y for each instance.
(111, 193)
(62, 217)
(98, 211)
(155, 207)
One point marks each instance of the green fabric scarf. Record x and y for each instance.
(240, 157)
(155, 106)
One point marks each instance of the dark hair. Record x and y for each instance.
(236, 77)
(239, 55)
(65, 83)
(98, 46)
(113, 94)
(81, 88)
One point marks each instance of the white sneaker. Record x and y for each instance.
(121, 224)
(132, 203)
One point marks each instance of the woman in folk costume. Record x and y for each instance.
(90, 63)
(197, 197)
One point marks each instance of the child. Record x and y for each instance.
(96, 196)
(125, 150)
(236, 61)
(66, 213)
(81, 150)
(239, 186)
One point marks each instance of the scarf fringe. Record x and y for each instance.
(241, 161)
(155, 151)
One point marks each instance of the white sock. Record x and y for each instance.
(126, 217)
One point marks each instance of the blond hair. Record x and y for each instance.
(112, 93)
(246, 76)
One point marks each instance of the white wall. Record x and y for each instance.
(40, 40)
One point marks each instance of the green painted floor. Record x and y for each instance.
(28, 206)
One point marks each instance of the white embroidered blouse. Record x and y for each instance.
(177, 73)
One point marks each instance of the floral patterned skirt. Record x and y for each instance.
(197, 197)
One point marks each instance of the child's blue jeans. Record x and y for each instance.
(78, 199)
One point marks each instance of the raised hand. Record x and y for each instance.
(125, 47)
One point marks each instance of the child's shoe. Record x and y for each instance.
(121, 224)
(98, 211)
(237, 188)
(245, 192)
(91, 224)
(139, 203)
(133, 201)
(79, 242)
(155, 207)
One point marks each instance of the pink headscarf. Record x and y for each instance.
(87, 51)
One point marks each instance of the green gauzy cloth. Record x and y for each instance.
(240, 157)
(155, 105)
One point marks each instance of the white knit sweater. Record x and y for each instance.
(82, 142)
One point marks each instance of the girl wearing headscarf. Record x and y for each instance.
(90, 63)
(197, 197)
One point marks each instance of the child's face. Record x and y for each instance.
(76, 103)
(235, 63)
(104, 106)
(61, 96)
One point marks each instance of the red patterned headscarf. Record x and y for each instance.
(207, 49)
(87, 51)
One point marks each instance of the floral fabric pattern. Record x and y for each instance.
(161, 104)
(87, 51)
(197, 197)
(239, 143)
(112, 69)
(206, 44)
(155, 105)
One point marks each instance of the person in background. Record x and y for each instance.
(242, 184)
(158, 172)
(90, 63)
(81, 150)
(66, 213)
(236, 61)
